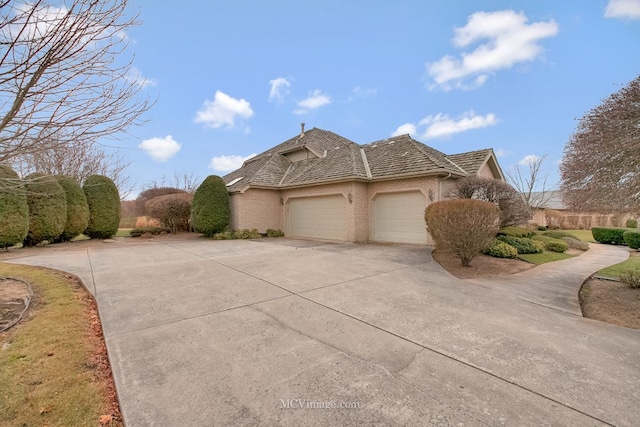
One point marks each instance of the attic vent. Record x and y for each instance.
(391, 142)
(374, 146)
(336, 148)
(234, 181)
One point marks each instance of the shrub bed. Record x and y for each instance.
(523, 245)
(237, 234)
(500, 249)
(139, 231)
(271, 232)
(631, 278)
(611, 236)
(552, 244)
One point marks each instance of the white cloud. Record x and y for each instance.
(508, 40)
(316, 99)
(135, 76)
(629, 9)
(228, 163)
(279, 89)
(407, 128)
(160, 149)
(501, 152)
(529, 160)
(441, 125)
(223, 110)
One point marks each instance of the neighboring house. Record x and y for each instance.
(541, 202)
(320, 185)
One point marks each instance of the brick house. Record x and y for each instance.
(320, 185)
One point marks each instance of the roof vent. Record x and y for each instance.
(234, 181)
(301, 130)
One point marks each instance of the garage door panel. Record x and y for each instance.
(399, 218)
(318, 217)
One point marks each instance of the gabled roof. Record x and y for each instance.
(334, 158)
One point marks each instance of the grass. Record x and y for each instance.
(544, 257)
(584, 235)
(633, 263)
(45, 362)
(123, 232)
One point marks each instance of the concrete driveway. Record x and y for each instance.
(278, 331)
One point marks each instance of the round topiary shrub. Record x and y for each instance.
(632, 223)
(14, 210)
(210, 211)
(77, 209)
(104, 207)
(47, 208)
(632, 239)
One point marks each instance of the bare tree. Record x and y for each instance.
(63, 82)
(78, 161)
(600, 169)
(530, 179)
(187, 181)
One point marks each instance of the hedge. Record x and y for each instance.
(47, 208)
(104, 207)
(500, 249)
(14, 210)
(632, 239)
(77, 209)
(559, 234)
(515, 232)
(611, 236)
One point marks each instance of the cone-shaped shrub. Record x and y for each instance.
(104, 207)
(464, 227)
(14, 211)
(47, 208)
(77, 208)
(210, 209)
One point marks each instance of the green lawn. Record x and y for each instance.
(123, 232)
(633, 263)
(546, 256)
(584, 235)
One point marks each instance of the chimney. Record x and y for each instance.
(301, 130)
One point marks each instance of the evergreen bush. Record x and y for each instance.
(77, 209)
(104, 207)
(501, 249)
(522, 244)
(632, 239)
(210, 212)
(611, 236)
(632, 223)
(14, 210)
(47, 208)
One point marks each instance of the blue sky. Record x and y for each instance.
(234, 78)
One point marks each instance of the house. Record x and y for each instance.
(320, 185)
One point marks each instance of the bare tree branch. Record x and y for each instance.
(530, 179)
(62, 79)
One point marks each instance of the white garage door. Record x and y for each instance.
(318, 217)
(399, 218)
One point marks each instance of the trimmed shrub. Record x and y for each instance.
(552, 244)
(172, 210)
(513, 208)
(501, 249)
(139, 231)
(210, 211)
(632, 223)
(601, 220)
(632, 239)
(246, 234)
(224, 235)
(274, 232)
(522, 244)
(140, 204)
(14, 210)
(542, 228)
(515, 232)
(572, 221)
(616, 220)
(104, 207)
(576, 244)
(462, 226)
(631, 278)
(558, 234)
(610, 236)
(554, 219)
(77, 209)
(47, 208)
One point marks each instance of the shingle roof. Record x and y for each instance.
(330, 157)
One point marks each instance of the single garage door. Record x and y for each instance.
(317, 217)
(399, 218)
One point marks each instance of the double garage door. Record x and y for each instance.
(395, 218)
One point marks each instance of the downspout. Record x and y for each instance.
(440, 186)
